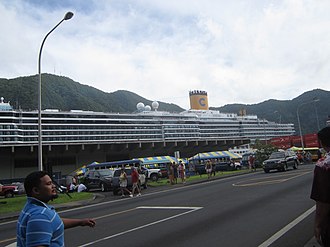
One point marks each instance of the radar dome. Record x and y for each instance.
(155, 105)
(147, 108)
(140, 106)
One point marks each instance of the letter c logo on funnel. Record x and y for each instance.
(202, 101)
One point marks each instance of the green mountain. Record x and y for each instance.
(311, 107)
(62, 93)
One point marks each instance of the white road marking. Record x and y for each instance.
(285, 229)
(151, 194)
(191, 209)
(269, 180)
(158, 207)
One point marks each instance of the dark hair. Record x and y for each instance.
(324, 136)
(33, 180)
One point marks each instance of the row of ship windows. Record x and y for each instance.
(94, 127)
(127, 132)
(173, 133)
(89, 138)
(97, 121)
(135, 132)
(135, 123)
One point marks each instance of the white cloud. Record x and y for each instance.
(238, 51)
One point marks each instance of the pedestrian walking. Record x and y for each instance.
(123, 183)
(252, 162)
(208, 168)
(135, 182)
(175, 172)
(182, 172)
(213, 167)
(171, 173)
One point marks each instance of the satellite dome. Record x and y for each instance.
(155, 105)
(147, 108)
(140, 106)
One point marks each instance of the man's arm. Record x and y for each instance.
(321, 214)
(69, 223)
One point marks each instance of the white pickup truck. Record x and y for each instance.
(152, 173)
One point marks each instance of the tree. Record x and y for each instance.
(263, 151)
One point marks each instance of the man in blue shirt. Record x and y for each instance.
(38, 223)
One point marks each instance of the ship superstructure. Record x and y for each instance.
(19, 127)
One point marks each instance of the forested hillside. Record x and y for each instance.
(312, 107)
(62, 93)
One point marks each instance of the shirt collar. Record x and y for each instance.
(35, 201)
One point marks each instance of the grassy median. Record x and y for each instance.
(15, 204)
(164, 181)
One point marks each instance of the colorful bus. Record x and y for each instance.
(114, 164)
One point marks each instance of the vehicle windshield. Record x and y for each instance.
(277, 155)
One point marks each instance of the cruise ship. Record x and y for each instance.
(75, 138)
(148, 123)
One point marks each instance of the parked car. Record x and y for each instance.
(8, 190)
(227, 166)
(99, 179)
(152, 173)
(163, 167)
(281, 161)
(128, 171)
(220, 165)
(20, 187)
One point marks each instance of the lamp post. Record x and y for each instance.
(299, 125)
(317, 115)
(301, 138)
(280, 116)
(67, 16)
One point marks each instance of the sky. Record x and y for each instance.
(239, 51)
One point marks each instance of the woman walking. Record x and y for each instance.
(123, 183)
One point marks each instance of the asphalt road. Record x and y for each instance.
(255, 209)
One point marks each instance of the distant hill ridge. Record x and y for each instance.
(59, 92)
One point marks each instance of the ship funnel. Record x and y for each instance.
(198, 100)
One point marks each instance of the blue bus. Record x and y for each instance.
(221, 161)
(114, 164)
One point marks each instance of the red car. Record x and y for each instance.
(8, 190)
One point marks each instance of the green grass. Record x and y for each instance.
(15, 204)
(164, 181)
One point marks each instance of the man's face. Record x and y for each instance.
(46, 190)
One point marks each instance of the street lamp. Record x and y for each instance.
(301, 138)
(299, 125)
(280, 116)
(67, 16)
(317, 115)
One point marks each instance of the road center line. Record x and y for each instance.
(191, 209)
(285, 229)
(269, 180)
(158, 207)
